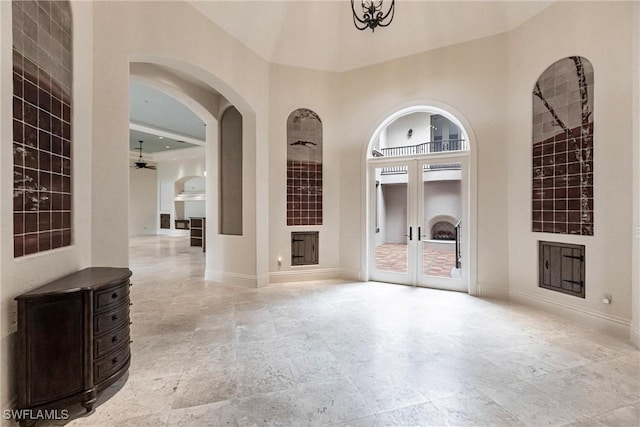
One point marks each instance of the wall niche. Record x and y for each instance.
(562, 196)
(42, 81)
(304, 168)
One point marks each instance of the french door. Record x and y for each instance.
(417, 215)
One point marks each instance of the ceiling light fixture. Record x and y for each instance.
(372, 14)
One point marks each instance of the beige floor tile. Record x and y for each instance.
(352, 354)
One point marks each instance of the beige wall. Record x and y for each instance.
(585, 29)
(292, 88)
(143, 202)
(469, 78)
(170, 34)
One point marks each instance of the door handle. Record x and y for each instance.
(410, 235)
(419, 234)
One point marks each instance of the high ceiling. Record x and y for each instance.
(320, 34)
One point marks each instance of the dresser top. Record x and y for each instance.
(92, 278)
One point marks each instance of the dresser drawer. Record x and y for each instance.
(107, 342)
(112, 319)
(111, 297)
(109, 364)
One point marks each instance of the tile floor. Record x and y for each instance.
(436, 262)
(352, 354)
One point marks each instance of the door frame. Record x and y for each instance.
(431, 106)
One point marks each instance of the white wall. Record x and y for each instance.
(395, 222)
(396, 132)
(144, 218)
(294, 88)
(167, 174)
(167, 34)
(194, 209)
(441, 199)
(470, 79)
(585, 29)
(25, 273)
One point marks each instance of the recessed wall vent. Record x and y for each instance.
(304, 247)
(562, 267)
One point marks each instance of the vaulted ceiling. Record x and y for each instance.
(320, 34)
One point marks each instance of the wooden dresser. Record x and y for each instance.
(73, 338)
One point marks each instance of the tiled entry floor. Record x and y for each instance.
(353, 354)
(436, 262)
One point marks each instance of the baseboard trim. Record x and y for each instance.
(634, 335)
(492, 291)
(233, 279)
(601, 321)
(305, 275)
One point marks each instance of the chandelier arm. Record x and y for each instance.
(356, 17)
(391, 11)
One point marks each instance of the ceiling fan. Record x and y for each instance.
(141, 164)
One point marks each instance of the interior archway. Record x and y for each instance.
(187, 83)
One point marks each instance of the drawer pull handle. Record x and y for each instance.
(114, 317)
(114, 339)
(114, 295)
(114, 360)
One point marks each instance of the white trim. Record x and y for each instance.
(586, 317)
(492, 291)
(233, 279)
(306, 275)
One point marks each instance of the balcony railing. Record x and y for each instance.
(424, 148)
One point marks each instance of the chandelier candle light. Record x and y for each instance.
(372, 14)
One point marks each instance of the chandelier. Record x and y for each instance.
(372, 14)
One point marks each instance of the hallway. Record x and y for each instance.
(352, 354)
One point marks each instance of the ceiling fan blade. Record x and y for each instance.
(150, 167)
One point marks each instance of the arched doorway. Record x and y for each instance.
(418, 176)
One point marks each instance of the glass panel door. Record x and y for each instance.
(416, 214)
(440, 212)
(392, 255)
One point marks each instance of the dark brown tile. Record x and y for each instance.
(30, 135)
(66, 220)
(17, 108)
(18, 246)
(44, 241)
(56, 220)
(18, 83)
(44, 221)
(18, 223)
(18, 131)
(30, 243)
(30, 222)
(66, 237)
(56, 239)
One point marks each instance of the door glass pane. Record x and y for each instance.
(440, 224)
(391, 219)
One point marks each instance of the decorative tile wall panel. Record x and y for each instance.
(304, 168)
(42, 80)
(563, 148)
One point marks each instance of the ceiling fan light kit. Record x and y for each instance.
(141, 164)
